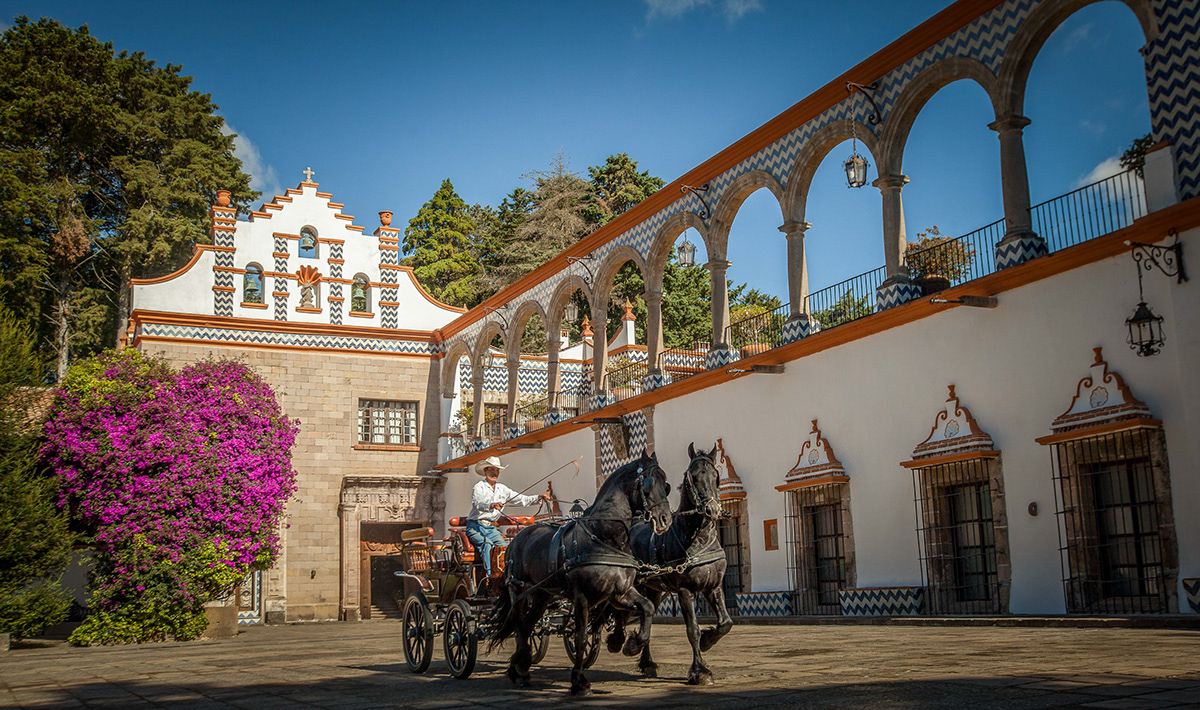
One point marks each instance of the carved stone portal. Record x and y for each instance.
(416, 500)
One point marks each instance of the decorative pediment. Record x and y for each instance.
(1102, 399)
(955, 433)
(308, 275)
(730, 484)
(817, 464)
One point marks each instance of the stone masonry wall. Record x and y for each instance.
(322, 389)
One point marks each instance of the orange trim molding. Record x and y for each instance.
(254, 305)
(1087, 432)
(200, 249)
(950, 458)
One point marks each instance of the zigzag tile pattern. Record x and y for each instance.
(223, 258)
(747, 603)
(893, 294)
(1173, 80)
(1019, 251)
(1191, 590)
(532, 377)
(337, 342)
(609, 461)
(720, 357)
(895, 601)
(798, 329)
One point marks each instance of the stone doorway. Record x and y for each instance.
(374, 510)
(379, 560)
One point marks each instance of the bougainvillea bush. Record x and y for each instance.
(180, 478)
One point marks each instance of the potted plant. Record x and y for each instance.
(935, 261)
(534, 410)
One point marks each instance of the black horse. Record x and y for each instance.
(691, 549)
(586, 561)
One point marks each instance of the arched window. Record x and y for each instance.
(252, 284)
(308, 243)
(360, 294)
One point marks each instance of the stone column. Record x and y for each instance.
(898, 287)
(511, 428)
(654, 332)
(599, 349)
(477, 414)
(800, 322)
(350, 560)
(719, 353)
(1020, 243)
(553, 378)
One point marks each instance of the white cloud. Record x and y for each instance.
(1108, 168)
(5, 26)
(262, 176)
(733, 10)
(1077, 37)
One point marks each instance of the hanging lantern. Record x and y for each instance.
(856, 165)
(571, 312)
(687, 253)
(1145, 331)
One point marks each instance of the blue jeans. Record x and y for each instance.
(484, 538)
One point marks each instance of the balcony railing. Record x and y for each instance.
(531, 412)
(758, 333)
(1091, 211)
(681, 363)
(625, 379)
(846, 301)
(960, 259)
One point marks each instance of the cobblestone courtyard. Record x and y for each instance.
(339, 665)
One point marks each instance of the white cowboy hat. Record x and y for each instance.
(489, 461)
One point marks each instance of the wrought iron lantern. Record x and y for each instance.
(856, 169)
(1145, 327)
(571, 312)
(1145, 331)
(687, 253)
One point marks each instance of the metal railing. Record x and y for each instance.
(532, 411)
(758, 333)
(846, 301)
(960, 259)
(625, 380)
(681, 363)
(1091, 211)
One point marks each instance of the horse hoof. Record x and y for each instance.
(517, 679)
(614, 641)
(524, 683)
(700, 679)
(649, 671)
(632, 647)
(579, 691)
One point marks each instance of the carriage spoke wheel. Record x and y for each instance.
(418, 634)
(540, 643)
(459, 639)
(592, 651)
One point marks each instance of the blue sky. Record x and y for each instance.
(384, 100)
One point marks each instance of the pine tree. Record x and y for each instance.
(34, 537)
(439, 242)
(616, 186)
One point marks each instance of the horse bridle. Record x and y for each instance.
(702, 504)
(645, 486)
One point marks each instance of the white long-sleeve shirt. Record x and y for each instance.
(483, 495)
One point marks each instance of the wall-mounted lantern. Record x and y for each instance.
(1145, 327)
(687, 253)
(856, 165)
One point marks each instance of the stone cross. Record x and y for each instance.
(308, 173)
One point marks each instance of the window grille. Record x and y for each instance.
(495, 418)
(387, 422)
(733, 540)
(818, 560)
(956, 537)
(1112, 498)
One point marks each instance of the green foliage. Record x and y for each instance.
(935, 255)
(616, 186)
(35, 540)
(439, 242)
(846, 309)
(1134, 157)
(142, 623)
(108, 164)
(686, 305)
(88, 380)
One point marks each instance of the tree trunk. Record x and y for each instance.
(123, 303)
(62, 325)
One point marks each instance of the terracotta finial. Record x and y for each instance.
(814, 431)
(587, 328)
(628, 314)
(1099, 357)
(223, 198)
(385, 218)
(951, 393)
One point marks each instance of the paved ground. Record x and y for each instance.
(342, 666)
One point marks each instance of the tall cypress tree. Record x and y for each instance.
(441, 249)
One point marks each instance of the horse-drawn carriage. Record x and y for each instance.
(445, 591)
(571, 578)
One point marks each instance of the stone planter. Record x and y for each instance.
(222, 621)
(932, 283)
(1191, 589)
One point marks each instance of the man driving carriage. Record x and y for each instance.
(488, 499)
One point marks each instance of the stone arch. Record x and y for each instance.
(917, 93)
(489, 331)
(813, 154)
(608, 271)
(450, 365)
(562, 292)
(660, 247)
(731, 201)
(528, 309)
(1013, 75)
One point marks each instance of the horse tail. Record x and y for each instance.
(503, 620)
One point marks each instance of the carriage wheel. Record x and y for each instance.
(541, 644)
(592, 650)
(459, 639)
(418, 634)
